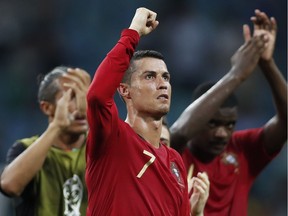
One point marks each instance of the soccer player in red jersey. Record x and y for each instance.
(231, 159)
(129, 171)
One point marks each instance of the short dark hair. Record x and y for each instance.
(48, 88)
(231, 101)
(137, 56)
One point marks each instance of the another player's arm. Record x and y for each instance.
(22, 169)
(275, 130)
(198, 113)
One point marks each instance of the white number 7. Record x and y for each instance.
(152, 159)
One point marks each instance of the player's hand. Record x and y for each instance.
(263, 25)
(78, 80)
(144, 21)
(247, 56)
(62, 117)
(200, 187)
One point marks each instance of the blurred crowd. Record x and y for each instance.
(197, 38)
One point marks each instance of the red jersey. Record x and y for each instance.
(125, 175)
(232, 173)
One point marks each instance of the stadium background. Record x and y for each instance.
(196, 37)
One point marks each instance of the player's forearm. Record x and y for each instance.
(278, 86)
(22, 169)
(276, 129)
(198, 113)
(111, 71)
(275, 79)
(104, 85)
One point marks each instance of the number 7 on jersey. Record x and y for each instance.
(152, 159)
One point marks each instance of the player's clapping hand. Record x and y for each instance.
(199, 186)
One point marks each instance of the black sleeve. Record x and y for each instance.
(25, 204)
(15, 150)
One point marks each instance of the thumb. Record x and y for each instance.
(190, 172)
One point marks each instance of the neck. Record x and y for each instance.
(201, 155)
(70, 141)
(148, 128)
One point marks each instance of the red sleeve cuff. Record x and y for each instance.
(131, 33)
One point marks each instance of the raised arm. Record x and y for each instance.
(117, 61)
(197, 114)
(275, 130)
(102, 111)
(24, 167)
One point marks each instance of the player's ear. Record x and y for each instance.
(47, 108)
(124, 90)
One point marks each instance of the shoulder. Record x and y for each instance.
(18, 147)
(28, 141)
(246, 140)
(247, 136)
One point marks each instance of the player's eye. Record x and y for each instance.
(230, 125)
(149, 77)
(166, 77)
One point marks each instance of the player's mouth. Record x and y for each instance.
(163, 97)
(219, 145)
(80, 119)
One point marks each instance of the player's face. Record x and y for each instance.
(165, 135)
(214, 138)
(150, 88)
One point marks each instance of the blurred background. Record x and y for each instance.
(196, 37)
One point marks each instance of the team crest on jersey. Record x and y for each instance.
(175, 171)
(230, 159)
